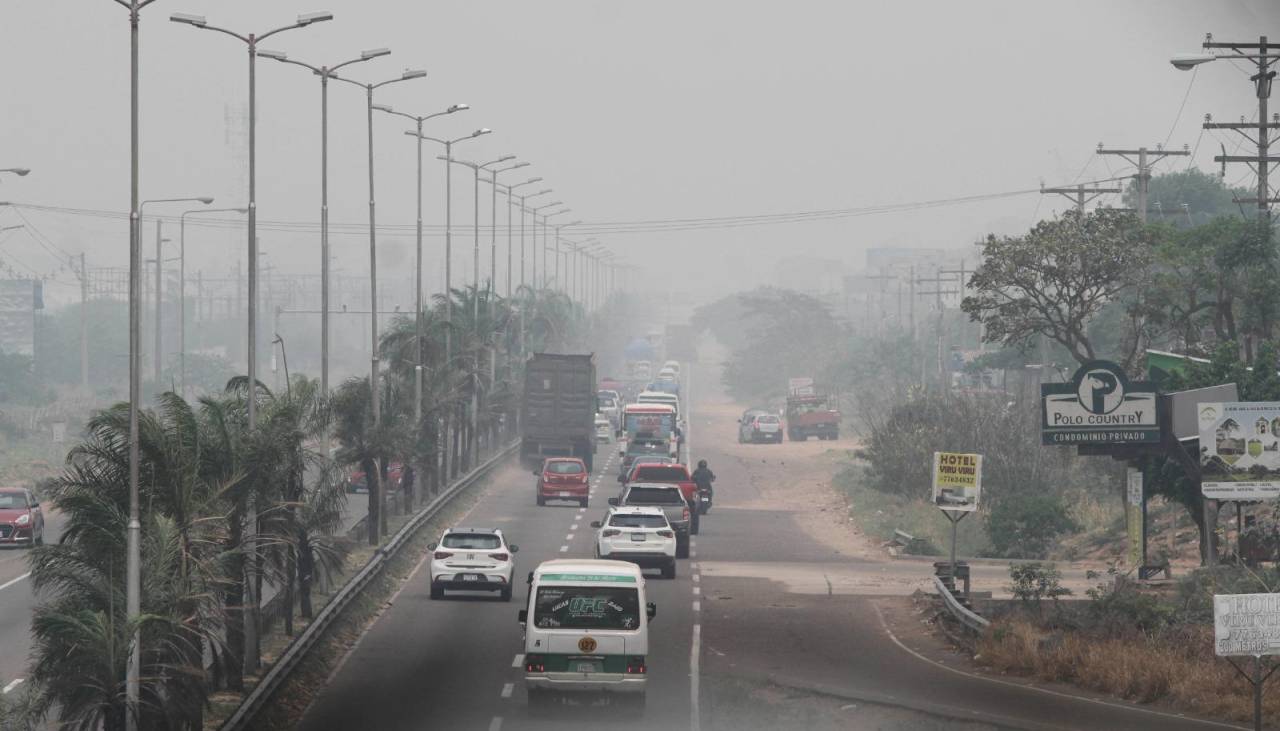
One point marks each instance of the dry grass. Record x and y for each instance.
(1178, 669)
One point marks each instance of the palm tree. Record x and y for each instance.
(372, 447)
(80, 629)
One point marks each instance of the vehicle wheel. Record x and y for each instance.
(682, 546)
(39, 539)
(437, 592)
(669, 571)
(541, 500)
(585, 502)
(693, 523)
(505, 593)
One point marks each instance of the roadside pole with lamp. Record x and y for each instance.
(253, 651)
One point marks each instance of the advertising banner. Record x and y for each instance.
(1099, 406)
(957, 480)
(1240, 450)
(1246, 624)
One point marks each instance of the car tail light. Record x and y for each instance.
(499, 556)
(635, 666)
(686, 513)
(536, 664)
(610, 532)
(666, 533)
(443, 554)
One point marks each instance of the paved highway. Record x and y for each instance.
(17, 600)
(734, 644)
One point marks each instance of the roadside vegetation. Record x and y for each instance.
(229, 512)
(1132, 642)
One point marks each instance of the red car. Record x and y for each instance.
(563, 478)
(356, 481)
(671, 474)
(21, 520)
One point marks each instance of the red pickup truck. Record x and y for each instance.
(670, 474)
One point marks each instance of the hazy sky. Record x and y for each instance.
(630, 111)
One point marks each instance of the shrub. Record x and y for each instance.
(1033, 582)
(1025, 525)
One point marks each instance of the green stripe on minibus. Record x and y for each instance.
(611, 578)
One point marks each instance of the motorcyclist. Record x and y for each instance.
(703, 477)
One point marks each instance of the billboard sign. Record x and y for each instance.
(957, 480)
(1246, 624)
(18, 303)
(1100, 405)
(1240, 450)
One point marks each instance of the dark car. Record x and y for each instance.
(21, 519)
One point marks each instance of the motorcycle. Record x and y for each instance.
(704, 502)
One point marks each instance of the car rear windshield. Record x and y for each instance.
(654, 496)
(586, 607)
(472, 541)
(564, 468)
(639, 521)
(660, 473)
(767, 419)
(11, 500)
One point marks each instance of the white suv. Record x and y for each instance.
(640, 535)
(472, 559)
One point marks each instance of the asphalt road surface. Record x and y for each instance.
(730, 649)
(17, 601)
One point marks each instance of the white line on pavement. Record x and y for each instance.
(496, 723)
(697, 606)
(697, 590)
(696, 578)
(518, 661)
(13, 684)
(507, 688)
(693, 553)
(564, 549)
(11, 582)
(695, 653)
(569, 537)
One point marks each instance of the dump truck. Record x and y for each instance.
(559, 408)
(810, 413)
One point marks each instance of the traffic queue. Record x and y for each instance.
(585, 620)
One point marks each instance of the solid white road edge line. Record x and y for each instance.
(506, 689)
(13, 684)
(695, 654)
(13, 581)
(1046, 691)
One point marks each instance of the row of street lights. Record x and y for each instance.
(252, 41)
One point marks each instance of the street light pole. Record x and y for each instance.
(133, 537)
(534, 211)
(182, 287)
(252, 656)
(325, 73)
(493, 227)
(417, 367)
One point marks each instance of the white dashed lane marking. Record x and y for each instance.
(564, 549)
(519, 661)
(495, 724)
(13, 684)
(507, 688)
(569, 537)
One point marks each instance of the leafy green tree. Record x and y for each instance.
(20, 384)
(1203, 195)
(1057, 278)
(791, 334)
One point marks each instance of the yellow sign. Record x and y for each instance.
(957, 480)
(587, 645)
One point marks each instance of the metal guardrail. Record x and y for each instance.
(958, 610)
(302, 644)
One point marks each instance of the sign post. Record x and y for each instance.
(1135, 511)
(957, 484)
(1248, 625)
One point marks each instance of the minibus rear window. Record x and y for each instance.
(587, 607)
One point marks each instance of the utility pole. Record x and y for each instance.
(1261, 162)
(1079, 194)
(937, 280)
(84, 325)
(156, 356)
(1144, 162)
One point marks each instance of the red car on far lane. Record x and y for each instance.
(563, 478)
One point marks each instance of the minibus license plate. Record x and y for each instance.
(588, 667)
